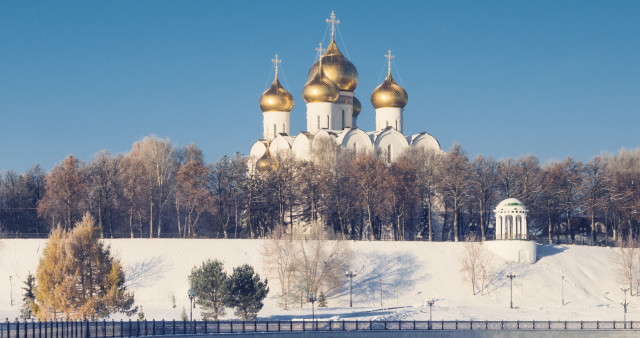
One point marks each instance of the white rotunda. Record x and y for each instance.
(511, 219)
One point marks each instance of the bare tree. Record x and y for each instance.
(194, 193)
(483, 188)
(454, 175)
(281, 261)
(321, 261)
(102, 182)
(65, 192)
(476, 265)
(159, 158)
(626, 268)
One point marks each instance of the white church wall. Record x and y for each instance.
(342, 111)
(274, 123)
(390, 144)
(426, 142)
(319, 116)
(280, 146)
(389, 117)
(301, 147)
(357, 140)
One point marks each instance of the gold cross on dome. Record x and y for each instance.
(320, 51)
(276, 61)
(389, 57)
(333, 22)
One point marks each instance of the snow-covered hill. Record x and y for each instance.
(409, 273)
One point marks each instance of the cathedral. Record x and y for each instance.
(332, 114)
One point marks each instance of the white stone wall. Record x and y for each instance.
(513, 250)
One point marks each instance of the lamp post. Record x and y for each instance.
(511, 276)
(312, 299)
(11, 288)
(624, 305)
(562, 290)
(380, 280)
(350, 274)
(192, 295)
(430, 302)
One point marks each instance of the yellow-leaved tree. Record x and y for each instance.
(77, 277)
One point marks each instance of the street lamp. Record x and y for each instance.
(430, 302)
(312, 299)
(350, 274)
(625, 305)
(562, 290)
(511, 276)
(192, 295)
(11, 288)
(380, 280)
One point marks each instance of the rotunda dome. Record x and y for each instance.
(320, 88)
(337, 68)
(276, 98)
(357, 107)
(510, 203)
(389, 94)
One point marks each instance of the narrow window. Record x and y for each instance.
(397, 125)
(342, 118)
(274, 130)
(283, 129)
(389, 153)
(318, 122)
(387, 123)
(328, 122)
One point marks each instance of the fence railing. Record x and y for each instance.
(57, 329)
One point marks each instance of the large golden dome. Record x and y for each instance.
(276, 98)
(357, 107)
(320, 89)
(267, 162)
(389, 94)
(337, 68)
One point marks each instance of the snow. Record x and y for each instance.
(410, 272)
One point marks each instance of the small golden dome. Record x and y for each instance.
(276, 98)
(389, 94)
(320, 88)
(337, 68)
(357, 107)
(267, 162)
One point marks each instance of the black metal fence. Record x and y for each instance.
(61, 329)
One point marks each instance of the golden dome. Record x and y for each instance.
(337, 68)
(276, 98)
(357, 107)
(320, 89)
(389, 94)
(267, 162)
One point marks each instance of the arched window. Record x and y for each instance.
(388, 153)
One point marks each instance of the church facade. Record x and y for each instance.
(332, 114)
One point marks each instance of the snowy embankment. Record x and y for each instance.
(408, 273)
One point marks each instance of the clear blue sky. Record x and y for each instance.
(502, 78)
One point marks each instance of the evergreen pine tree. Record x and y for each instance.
(29, 297)
(209, 283)
(322, 300)
(78, 277)
(246, 292)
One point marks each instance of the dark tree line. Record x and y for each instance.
(158, 190)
